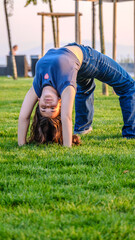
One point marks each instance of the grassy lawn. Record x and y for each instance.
(52, 192)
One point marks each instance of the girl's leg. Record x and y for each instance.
(108, 71)
(124, 86)
(84, 108)
(127, 103)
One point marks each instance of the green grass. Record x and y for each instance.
(52, 192)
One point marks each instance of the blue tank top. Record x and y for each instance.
(57, 68)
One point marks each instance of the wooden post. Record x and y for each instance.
(102, 42)
(93, 24)
(80, 30)
(114, 28)
(43, 36)
(58, 38)
(134, 39)
(57, 16)
(104, 86)
(77, 21)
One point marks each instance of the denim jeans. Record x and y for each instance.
(99, 66)
(84, 107)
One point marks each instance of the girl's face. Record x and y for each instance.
(49, 102)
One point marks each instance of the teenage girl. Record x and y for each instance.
(63, 75)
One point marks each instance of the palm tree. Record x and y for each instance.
(13, 62)
(51, 10)
(104, 86)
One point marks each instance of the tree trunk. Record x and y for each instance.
(9, 40)
(77, 21)
(93, 24)
(53, 23)
(104, 86)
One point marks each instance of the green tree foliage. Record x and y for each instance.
(34, 2)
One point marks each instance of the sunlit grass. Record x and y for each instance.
(52, 192)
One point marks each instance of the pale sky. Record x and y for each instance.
(26, 25)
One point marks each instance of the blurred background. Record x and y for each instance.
(25, 27)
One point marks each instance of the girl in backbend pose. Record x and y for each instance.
(63, 75)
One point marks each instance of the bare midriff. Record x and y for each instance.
(77, 51)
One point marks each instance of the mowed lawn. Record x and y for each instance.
(52, 192)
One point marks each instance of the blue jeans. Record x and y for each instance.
(99, 66)
(84, 107)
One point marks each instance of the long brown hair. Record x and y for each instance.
(48, 130)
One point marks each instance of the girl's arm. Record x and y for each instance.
(25, 113)
(67, 100)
